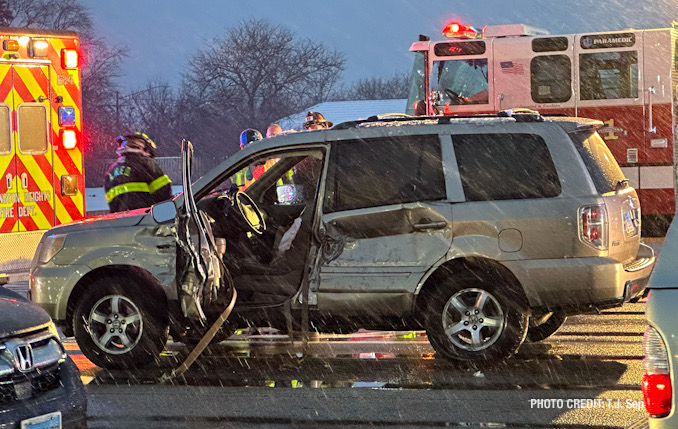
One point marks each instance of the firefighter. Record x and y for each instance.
(136, 180)
(246, 176)
(316, 121)
(273, 130)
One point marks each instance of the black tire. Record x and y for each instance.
(131, 340)
(546, 329)
(500, 320)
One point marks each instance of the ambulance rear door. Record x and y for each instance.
(8, 185)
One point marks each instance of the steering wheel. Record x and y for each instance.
(456, 98)
(250, 212)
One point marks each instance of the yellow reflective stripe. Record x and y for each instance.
(159, 183)
(126, 187)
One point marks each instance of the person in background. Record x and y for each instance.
(248, 175)
(316, 121)
(273, 130)
(136, 180)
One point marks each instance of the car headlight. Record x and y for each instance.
(50, 247)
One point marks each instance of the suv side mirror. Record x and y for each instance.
(164, 211)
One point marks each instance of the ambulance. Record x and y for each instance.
(41, 151)
(627, 79)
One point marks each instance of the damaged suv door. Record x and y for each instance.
(379, 245)
(202, 278)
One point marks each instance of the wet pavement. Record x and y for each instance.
(384, 379)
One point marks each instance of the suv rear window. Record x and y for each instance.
(505, 167)
(600, 163)
(384, 171)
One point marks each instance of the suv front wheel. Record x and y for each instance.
(114, 327)
(469, 319)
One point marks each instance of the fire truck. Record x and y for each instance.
(41, 152)
(627, 79)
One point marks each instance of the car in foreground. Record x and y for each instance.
(480, 230)
(40, 386)
(660, 345)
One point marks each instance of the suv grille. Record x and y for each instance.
(41, 381)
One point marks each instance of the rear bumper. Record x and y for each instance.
(582, 284)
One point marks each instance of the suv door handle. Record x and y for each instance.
(427, 225)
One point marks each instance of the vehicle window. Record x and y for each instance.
(461, 81)
(377, 172)
(551, 78)
(416, 97)
(32, 129)
(294, 178)
(505, 167)
(599, 161)
(5, 133)
(608, 75)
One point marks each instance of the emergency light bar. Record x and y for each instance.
(460, 31)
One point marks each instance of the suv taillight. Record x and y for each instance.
(593, 226)
(657, 378)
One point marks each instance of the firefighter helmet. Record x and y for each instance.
(138, 141)
(316, 118)
(248, 136)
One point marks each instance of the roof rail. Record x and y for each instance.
(520, 115)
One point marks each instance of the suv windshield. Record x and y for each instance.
(599, 161)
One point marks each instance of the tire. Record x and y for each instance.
(485, 322)
(140, 335)
(546, 329)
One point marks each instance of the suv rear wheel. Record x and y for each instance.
(114, 327)
(547, 328)
(469, 319)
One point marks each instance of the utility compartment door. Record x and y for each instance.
(34, 147)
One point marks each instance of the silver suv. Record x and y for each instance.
(482, 230)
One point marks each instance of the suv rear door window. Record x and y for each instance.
(384, 171)
(602, 167)
(505, 167)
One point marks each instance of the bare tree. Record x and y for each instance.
(50, 14)
(259, 72)
(377, 88)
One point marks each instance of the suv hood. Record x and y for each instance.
(113, 220)
(18, 314)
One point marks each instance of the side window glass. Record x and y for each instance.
(460, 81)
(551, 78)
(32, 128)
(5, 132)
(384, 171)
(285, 180)
(505, 167)
(608, 75)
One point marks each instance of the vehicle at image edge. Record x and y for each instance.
(40, 385)
(475, 229)
(624, 78)
(660, 343)
(41, 150)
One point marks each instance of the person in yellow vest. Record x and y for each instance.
(246, 176)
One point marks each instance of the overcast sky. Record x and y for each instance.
(374, 35)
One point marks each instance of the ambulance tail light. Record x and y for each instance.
(593, 226)
(69, 59)
(656, 387)
(69, 139)
(460, 31)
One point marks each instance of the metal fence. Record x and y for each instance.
(96, 169)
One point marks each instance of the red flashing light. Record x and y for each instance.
(460, 31)
(657, 394)
(69, 139)
(69, 59)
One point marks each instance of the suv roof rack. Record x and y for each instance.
(520, 115)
